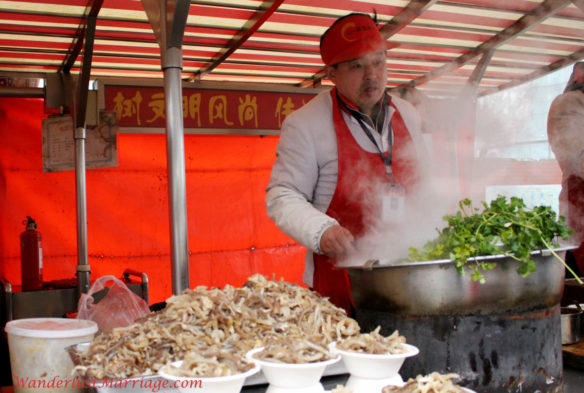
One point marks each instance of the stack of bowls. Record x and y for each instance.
(226, 384)
(370, 372)
(292, 377)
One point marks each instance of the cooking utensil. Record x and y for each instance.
(436, 287)
(571, 325)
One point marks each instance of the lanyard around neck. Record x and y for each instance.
(386, 159)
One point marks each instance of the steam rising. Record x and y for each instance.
(437, 194)
(509, 126)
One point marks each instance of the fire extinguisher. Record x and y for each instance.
(31, 257)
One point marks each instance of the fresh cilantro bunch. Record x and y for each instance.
(501, 228)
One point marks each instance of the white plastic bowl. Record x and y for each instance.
(291, 375)
(374, 366)
(227, 384)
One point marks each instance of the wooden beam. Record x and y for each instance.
(479, 70)
(556, 65)
(91, 10)
(410, 12)
(526, 22)
(316, 79)
(579, 4)
(474, 80)
(84, 76)
(266, 9)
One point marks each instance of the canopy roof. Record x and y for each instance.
(442, 44)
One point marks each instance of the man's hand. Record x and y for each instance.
(336, 241)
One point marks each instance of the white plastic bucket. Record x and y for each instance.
(38, 357)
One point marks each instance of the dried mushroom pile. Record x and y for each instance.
(432, 383)
(374, 343)
(199, 320)
(209, 364)
(295, 351)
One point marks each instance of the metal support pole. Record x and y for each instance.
(81, 203)
(175, 152)
(80, 134)
(168, 20)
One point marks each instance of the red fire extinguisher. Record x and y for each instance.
(31, 257)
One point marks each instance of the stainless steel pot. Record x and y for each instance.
(571, 325)
(436, 287)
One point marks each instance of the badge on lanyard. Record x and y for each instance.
(393, 199)
(393, 203)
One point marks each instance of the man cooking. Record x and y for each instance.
(348, 160)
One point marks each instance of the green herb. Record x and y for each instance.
(502, 228)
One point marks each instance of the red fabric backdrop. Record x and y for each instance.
(230, 235)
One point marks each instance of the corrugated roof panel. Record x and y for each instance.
(115, 72)
(46, 7)
(478, 20)
(434, 41)
(440, 46)
(426, 52)
(412, 65)
(557, 22)
(472, 36)
(289, 71)
(276, 57)
(39, 21)
(255, 79)
(38, 42)
(336, 8)
(551, 50)
(535, 59)
(276, 38)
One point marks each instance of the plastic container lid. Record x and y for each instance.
(51, 327)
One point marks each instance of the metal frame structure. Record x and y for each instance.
(444, 46)
(276, 41)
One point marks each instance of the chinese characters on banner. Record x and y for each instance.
(204, 108)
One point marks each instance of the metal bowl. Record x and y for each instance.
(571, 325)
(437, 288)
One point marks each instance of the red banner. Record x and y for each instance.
(204, 108)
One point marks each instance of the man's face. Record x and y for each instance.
(362, 81)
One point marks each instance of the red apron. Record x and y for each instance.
(354, 199)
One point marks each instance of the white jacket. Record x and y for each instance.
(304, 176)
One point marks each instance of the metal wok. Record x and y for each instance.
(437, 288)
